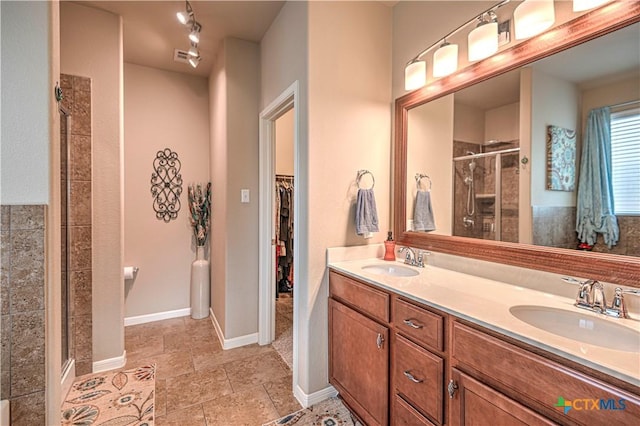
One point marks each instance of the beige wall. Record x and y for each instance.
(218, 171)
(553, 102)
(91, 46)
(502, 123)
(234, 85)
(349, 129)
(162, 110)
(430, 147)
(468, 124)
(284, 143)
(624, 90)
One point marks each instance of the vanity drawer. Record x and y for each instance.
(368, 300)
(418, 323)
(540, 381)
(405, 415)
(418, 377)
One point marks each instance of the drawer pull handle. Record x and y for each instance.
(412, 324)
(411, 377)
(379, 341)
(452, 388)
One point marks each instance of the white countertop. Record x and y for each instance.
(487, 302)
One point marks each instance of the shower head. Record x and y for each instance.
(471, 153)
(472, 165)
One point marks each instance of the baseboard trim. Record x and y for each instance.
(68, 376)
(307, 400)
(142, 319)
(110, 363)
(235, 342)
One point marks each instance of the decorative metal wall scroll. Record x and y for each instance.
(166, 185)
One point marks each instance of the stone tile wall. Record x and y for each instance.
(77, 100)
(23, 314)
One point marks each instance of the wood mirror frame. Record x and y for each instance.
(624, 270)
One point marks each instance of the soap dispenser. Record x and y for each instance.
(389, 248)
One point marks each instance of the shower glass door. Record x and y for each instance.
(65, 126)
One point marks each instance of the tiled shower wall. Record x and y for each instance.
(77, 100)
(23, 315)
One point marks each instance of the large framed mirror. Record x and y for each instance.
(483, 136)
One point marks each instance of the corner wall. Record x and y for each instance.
(91, 46)
(233, 87)
(162, 110)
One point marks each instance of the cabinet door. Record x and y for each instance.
(477, 404)
(359, 362)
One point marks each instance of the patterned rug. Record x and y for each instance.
(117, 398)
(330, 412)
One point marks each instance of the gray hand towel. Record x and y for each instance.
(423, 212)
(366, 213)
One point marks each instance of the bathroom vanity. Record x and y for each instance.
(432, 346)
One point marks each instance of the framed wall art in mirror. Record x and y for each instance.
(561, 159)
(499, 223)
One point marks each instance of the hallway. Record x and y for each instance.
(198, 383)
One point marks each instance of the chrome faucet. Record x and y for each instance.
(413, 259)
(591, 296)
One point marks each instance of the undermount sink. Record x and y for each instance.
(580, 327)
(391, 270)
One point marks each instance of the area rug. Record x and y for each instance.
(330, 412)
(117, 398)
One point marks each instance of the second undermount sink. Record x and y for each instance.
(580, 327)
(392, 270)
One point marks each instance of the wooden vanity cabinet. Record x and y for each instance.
(396, 362)
(359, 347)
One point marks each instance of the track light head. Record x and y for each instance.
(193, 50)
(194, 61)
(194, 35)
(185, 16)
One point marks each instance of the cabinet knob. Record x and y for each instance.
(380, 341)
(412, 324)
(411, 377)
(452, 387)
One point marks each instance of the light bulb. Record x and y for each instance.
(532, 17)
(193, 51)
(415, 75)
(194, 61)
(483, 41)
(581, 5)
(194, 35)
(445, 60)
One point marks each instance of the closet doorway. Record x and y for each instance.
(278, 272)
(283, 220)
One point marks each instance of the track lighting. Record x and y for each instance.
(445, 59)
(194, 35)
(483, 39)
(193, 50)
(194, 61)
(532, 17)
(184, 16)
(188, 17)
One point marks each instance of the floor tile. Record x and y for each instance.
(160, 406)
(249, 372)
(168, 364)
(250, 407)
(205, 361)
(281, 394)
(191, 416)
(195, 388)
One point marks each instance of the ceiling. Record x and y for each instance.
(152, 32)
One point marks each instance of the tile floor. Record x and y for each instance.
(198, 383)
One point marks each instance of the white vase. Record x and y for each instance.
(200, 285)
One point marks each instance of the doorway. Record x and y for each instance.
(277, 273)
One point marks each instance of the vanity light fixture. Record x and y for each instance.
(185, 16)
(445, 59)
(194, 35)
(582, 5)
(415, 74)
(483, 39)
(532, 17)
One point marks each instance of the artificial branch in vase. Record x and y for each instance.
(200, 208)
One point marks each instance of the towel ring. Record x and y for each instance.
(419, 177)
(362, 173)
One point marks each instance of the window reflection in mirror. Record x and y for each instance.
(471, 144)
